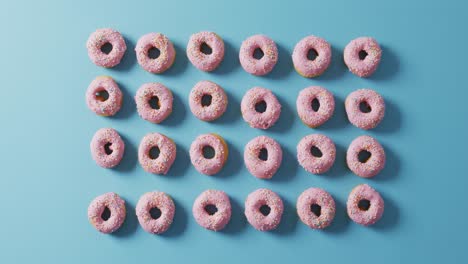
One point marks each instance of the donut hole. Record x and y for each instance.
(153, 53)
(312, 54)
(316, 209)
(206, 49)
(106, 213)
(206, 100)
(363, 204)
(208, 152)
(315, 104)
(263, 154)
(155, 213)
(107, 148)
(154, 152)
(211, 209)
(106, 48)
(364, 107)
(101, 95)
(316, 152)
(261, 106)
(265, 210)
(154, 103)
(364, 156)
(258, 54)
(363, 54)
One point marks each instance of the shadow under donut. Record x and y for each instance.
(130, 157)
(130, 224)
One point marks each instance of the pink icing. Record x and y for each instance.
(357, 117)
(304, 106)
(158, 200)
(258, 66)
(258, 167)
(205, 62)
(255, 217)
(165, 47)
(116, 206)
(103, 137)
(367, 66)
(311, 163)
(311, 68)
(256, 119)
(218, 104)
(373, 165)
(167, 153)
(318, 197)
(205, 165)
(217, 220)
(113, 103)
(103, 36)
(145, 93)
(375, 210)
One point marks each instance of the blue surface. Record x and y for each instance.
(48, 177)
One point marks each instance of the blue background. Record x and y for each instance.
(48, 177)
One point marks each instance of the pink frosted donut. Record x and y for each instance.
(208, 153)
(362, 56)
(209, 59)
(155, 212)
(365, 205)
(156, 153)
(107, 212)
(365, 157)
(103, 96)
(365, 108)
(316, 153)
(315, 105)
(212, 210)
(160, 42)
(97, 42)
(154, 102)
(107, 147)
(207, 101)
(262, 157)
(311, 67)
(316, 208)
(263, 45)
(260, 108)
(263, 209)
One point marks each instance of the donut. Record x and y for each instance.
(161, 161)
(365, 108)
(365, 157)
(158, 42)
(207, 101)
(99, 40)
(263, 45)
(209, 59)
(260, 108)
(107, 147)
(316, 208)
(311, 67)
(212, 210)
(263, 209)
(155, 212)
(103, 96)
(154, 102)
(205, 162)
(262, 157)
(315, 106)
(365, 205)
(107, 212)
(316, 153)
(362, 56)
